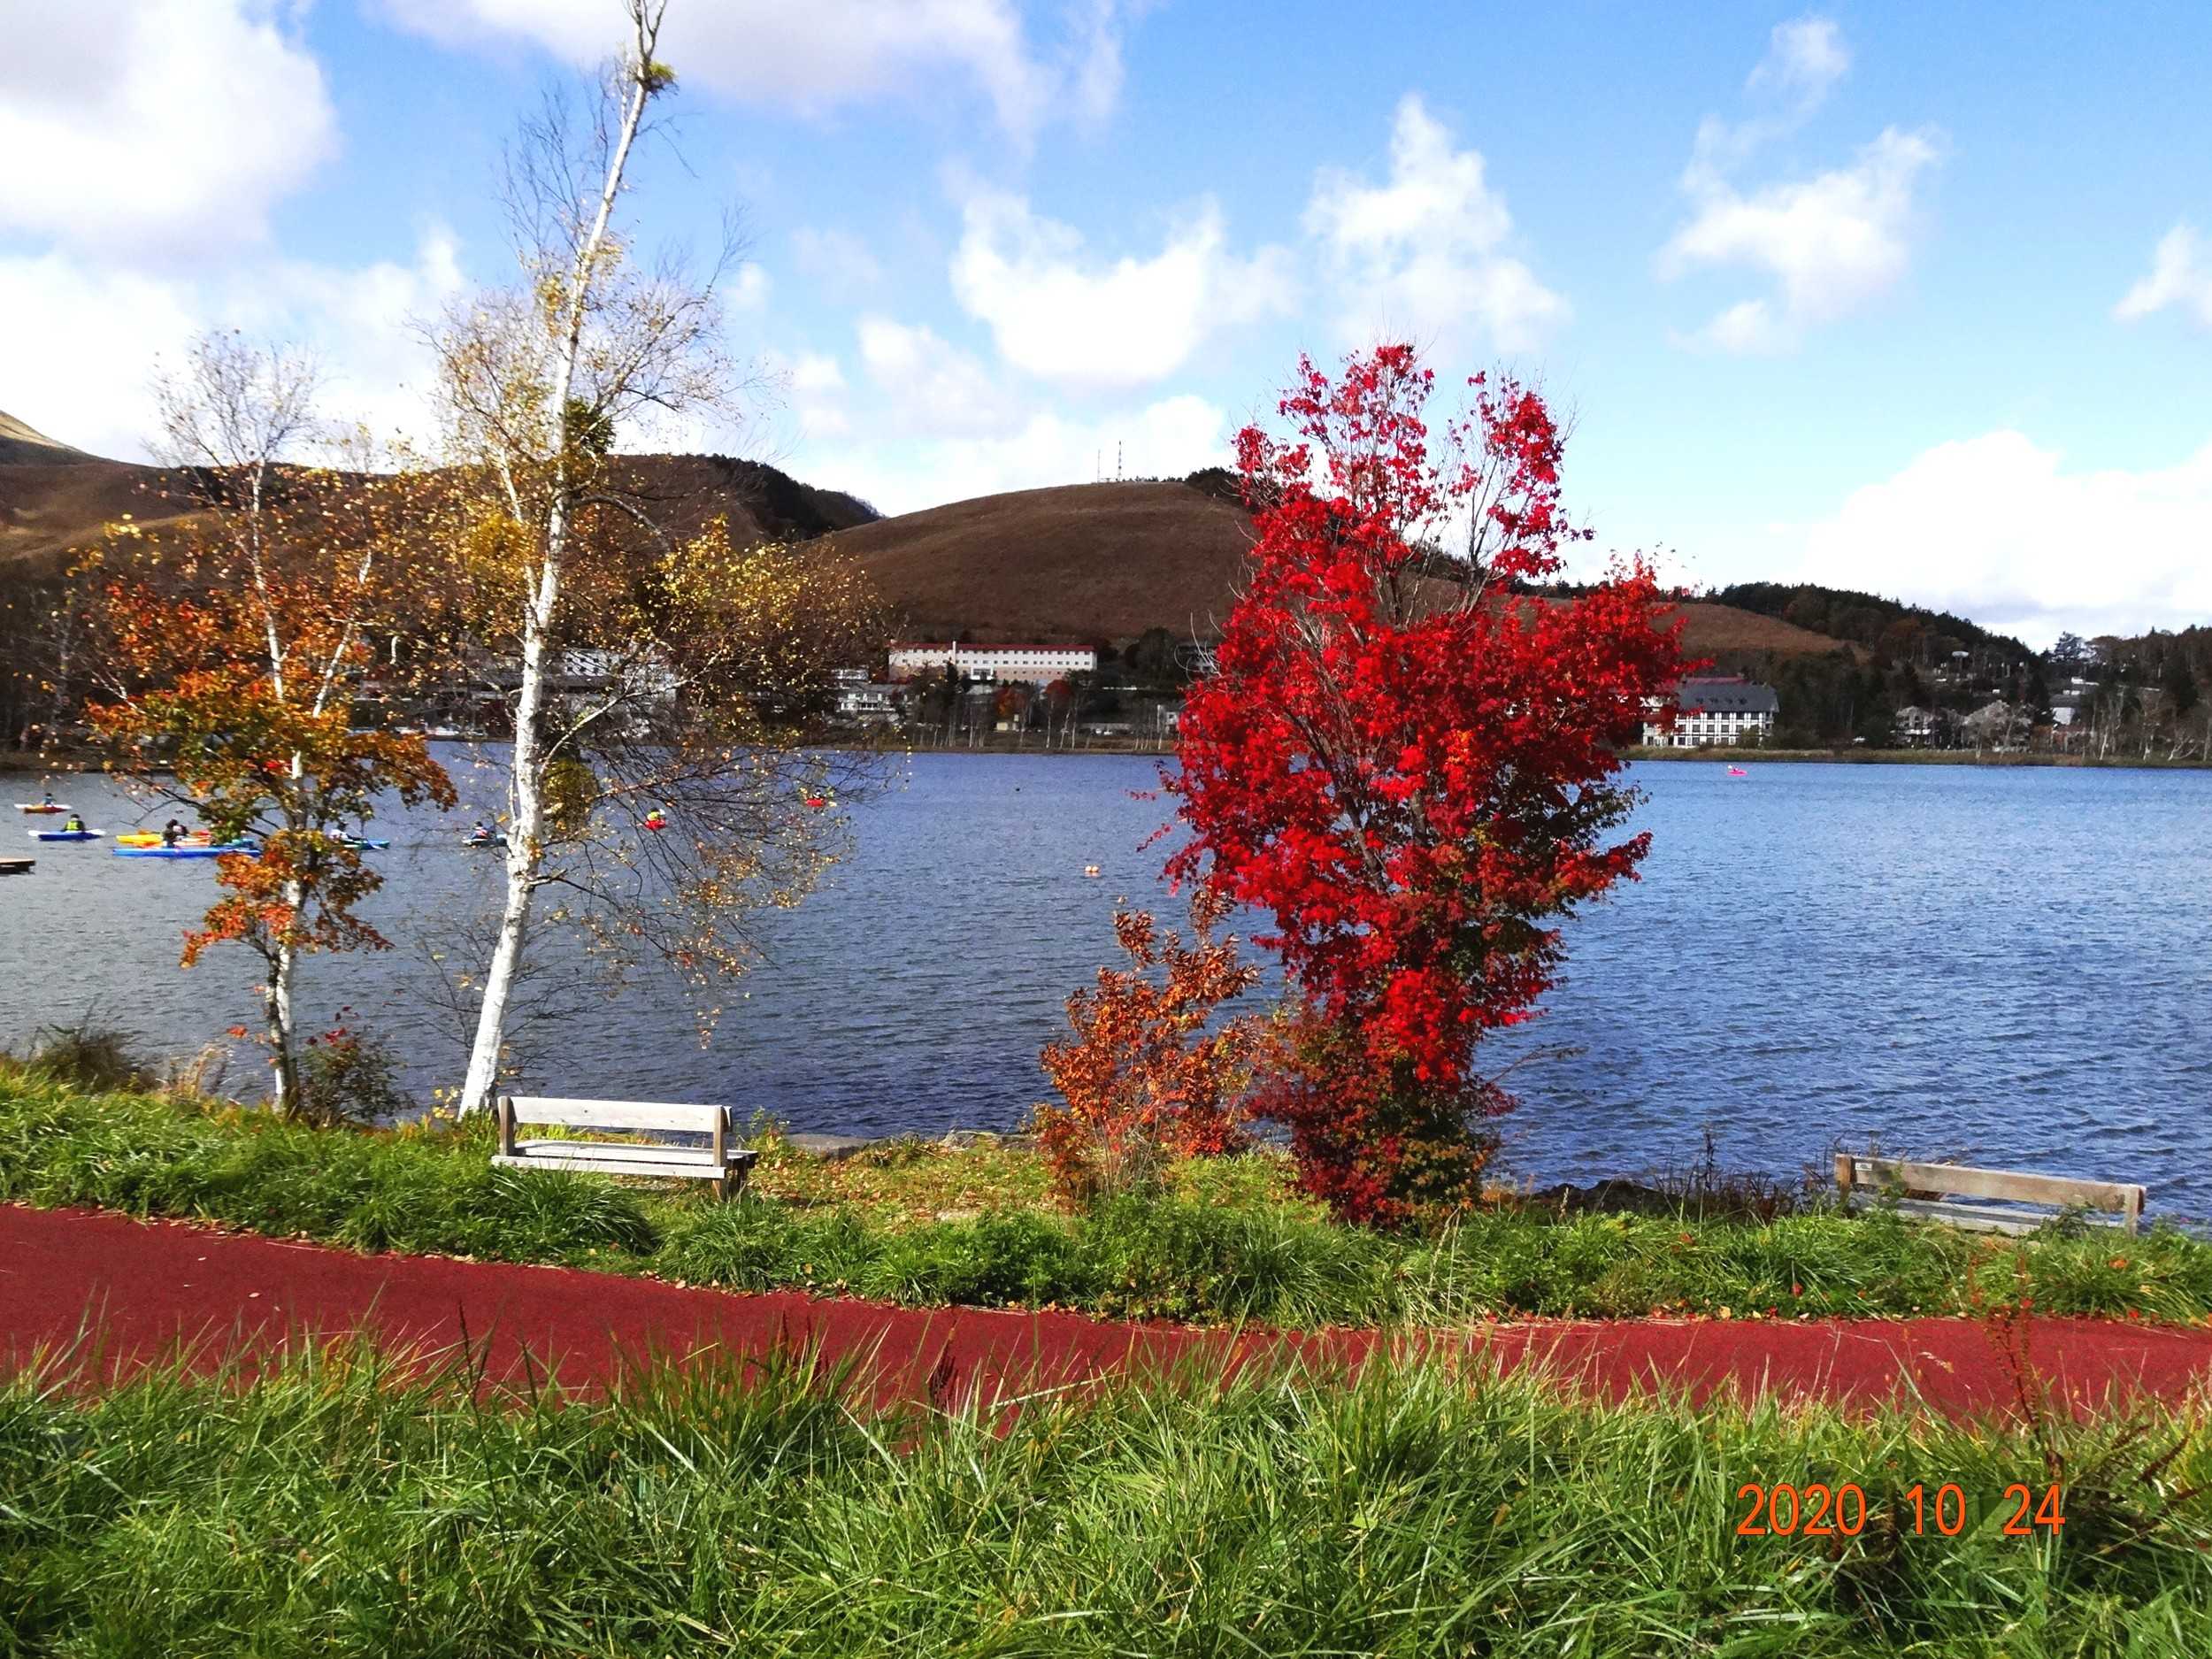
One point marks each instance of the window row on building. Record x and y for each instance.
(1039, 665)
(1718, 711)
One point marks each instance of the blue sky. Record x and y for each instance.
(1908, 298)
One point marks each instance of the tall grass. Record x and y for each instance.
(1233, 1250)
(335, 1508)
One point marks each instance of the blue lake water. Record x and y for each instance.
(2005, 966)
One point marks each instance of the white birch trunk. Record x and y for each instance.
(283, 1052)
(524, 831)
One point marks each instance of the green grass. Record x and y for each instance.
(928, 1225)
(337, 1509)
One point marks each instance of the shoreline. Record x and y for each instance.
(1914, 757)
(19, 764)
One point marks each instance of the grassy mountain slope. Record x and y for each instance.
(1092, 561)
(1075, 561)
(24, 445)
(54, 499)
(1080, 561)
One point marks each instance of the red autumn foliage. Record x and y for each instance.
(1409, 763)
(1149, 1077)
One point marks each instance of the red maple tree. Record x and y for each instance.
(1410, 761)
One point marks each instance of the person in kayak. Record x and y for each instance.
(74, 824)
(172, 833)
(657, 819)
(482, 835)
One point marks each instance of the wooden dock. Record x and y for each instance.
(17, 866)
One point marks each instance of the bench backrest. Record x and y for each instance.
(628, 1116)
(1961, 1181)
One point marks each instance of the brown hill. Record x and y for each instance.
(1078, 562)
(1731, 636)
(48, 507)
(54, 499)
(22, 445)
(1086, 562)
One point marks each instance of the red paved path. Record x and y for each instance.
(138, 1290)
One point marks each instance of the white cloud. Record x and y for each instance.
(1804, 59)
(747, 288)
(1060, 316)
(2180, 276)
(924, 421)
(1423, 256)
(836, 259)
(1832, 242)
(923, 383)
(1168, 437)
(153, 126)
(814, 372)
(819, 56)
(1996, 528)
(84, 374)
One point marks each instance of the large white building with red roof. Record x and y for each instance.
(1038, 664)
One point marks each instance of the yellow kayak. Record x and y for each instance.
(148, 838)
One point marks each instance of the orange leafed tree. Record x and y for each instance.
(1150, 1075)
(232, 653)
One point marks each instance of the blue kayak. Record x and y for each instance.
(184, 850)
(68, 835)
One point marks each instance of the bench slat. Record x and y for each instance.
(626, 1166)
(620, 1150)
(1971, 1217)
(688, 1117)
(1972, 1183)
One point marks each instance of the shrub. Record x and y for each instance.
(98, 1058)
(994, 1262)
(349, 1075)
(1148, 1077)
(1178, 1261)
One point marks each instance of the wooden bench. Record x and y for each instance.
(719, 1161)
(1926, 1186)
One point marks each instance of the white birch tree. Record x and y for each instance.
(696, 661)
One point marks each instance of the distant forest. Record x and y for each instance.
(2143, 692)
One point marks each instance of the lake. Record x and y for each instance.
(1998, 965)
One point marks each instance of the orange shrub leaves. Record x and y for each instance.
(1149, 1076)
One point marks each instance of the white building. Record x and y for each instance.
(645, 679)
(862, 703)
(1917, 728)
(1711, 711)
(1038, 664)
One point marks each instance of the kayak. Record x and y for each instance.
(41, 806)
(200, 838)
(68, 835)
(199, 850)
(483, 840)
